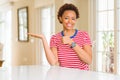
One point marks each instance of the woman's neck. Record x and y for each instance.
(69, 32)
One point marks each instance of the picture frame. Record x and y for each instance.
(22, 14)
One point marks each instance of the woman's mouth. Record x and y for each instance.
(69, 25)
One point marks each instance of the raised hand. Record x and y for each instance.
(36, 35)
(67, 40)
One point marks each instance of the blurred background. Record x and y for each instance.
(100, 18)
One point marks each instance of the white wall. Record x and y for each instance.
(1, 51)
(42, 3)
(23, 53)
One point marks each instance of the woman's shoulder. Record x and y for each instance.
(82, 32)
(56, 35)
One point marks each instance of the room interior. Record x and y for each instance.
(29, 51)
(19, 49)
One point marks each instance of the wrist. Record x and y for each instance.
(70, 42)
(42, 37)
(73, 44)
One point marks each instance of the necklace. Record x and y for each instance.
(62, 33)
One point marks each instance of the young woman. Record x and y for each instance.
(69, 48)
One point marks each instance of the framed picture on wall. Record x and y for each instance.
(22, 14)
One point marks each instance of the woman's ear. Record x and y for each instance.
(60, 19)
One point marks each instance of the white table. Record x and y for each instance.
(52, 73)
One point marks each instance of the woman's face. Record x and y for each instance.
(68, 19)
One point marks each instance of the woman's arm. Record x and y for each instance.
(51, 54)
(85, 53)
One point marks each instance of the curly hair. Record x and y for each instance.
(67, 7)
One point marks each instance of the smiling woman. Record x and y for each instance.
(70, 47)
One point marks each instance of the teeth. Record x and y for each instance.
(69, 25)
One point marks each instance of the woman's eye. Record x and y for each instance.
(73, 19)
(69, 18)
(66, 18)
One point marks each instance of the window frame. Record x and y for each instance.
(92, 27)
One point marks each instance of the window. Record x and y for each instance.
(47, 27)
(5, 36)
(107, 37)
(1, 26)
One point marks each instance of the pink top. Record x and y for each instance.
(66, 55)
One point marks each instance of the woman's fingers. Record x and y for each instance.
(34, 35)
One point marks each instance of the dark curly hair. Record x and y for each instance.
(67, 7)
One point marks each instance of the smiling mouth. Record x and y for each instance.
(69, 25)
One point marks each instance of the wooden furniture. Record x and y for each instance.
(1, 62)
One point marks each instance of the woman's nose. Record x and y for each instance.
(69, 20)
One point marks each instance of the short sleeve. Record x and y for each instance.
(53, 42)
(86, 39)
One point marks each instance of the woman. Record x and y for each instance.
(71, 47)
